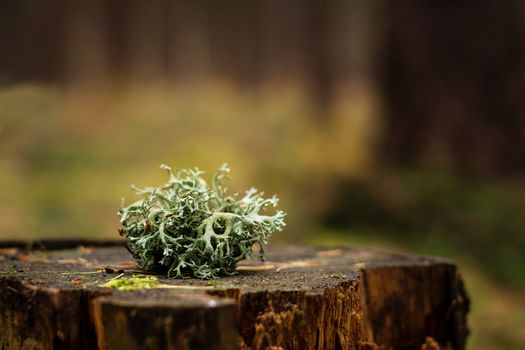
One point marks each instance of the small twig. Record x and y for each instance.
(141, 272)
(116, 277)
(14, 290)
(81, 273)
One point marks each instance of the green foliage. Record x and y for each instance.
(134, 282)
(186, 227)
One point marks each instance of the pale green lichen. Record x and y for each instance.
(189, 228)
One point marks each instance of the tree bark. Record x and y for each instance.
(300, 298)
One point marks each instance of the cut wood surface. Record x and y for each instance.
(299, 298)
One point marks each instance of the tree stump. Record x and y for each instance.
(300, 298)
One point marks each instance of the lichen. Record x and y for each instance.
(189, 228)
(135, 282)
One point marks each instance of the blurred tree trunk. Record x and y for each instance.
(32, 40)
(320, 53)
(188, 39)
(86, 45)
(454, 82)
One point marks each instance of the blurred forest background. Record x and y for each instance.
(392, 125)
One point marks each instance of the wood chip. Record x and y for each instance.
(8, 251)
(332, 253)
(117, 267)
(359, 265)
(23, 257)
(84, 250)
(31, 258)
(255, 267)
(297, 264)
(278, 266)
(186, 287)
(77, 261)
(67, 261)
(127, 263)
